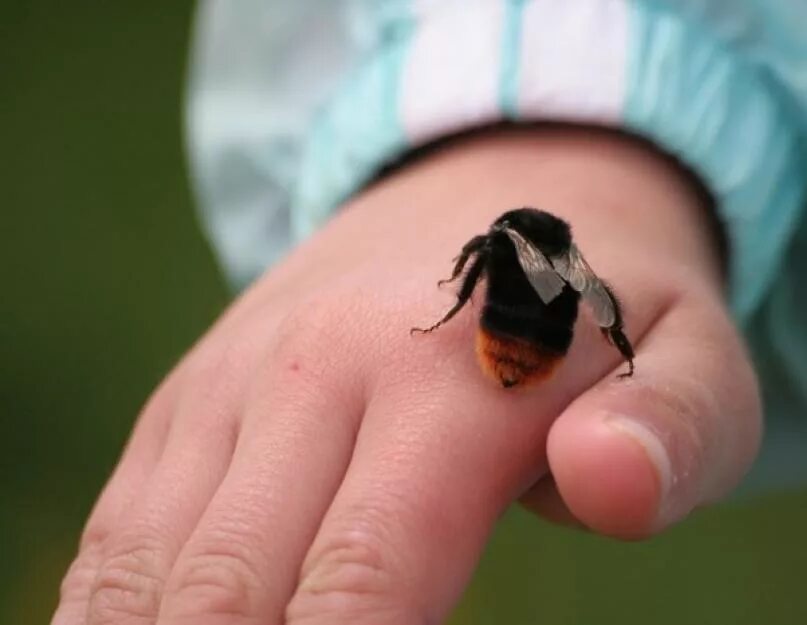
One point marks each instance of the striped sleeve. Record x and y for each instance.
(451, 66)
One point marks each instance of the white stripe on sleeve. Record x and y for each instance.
(452, 73)
(573, 60)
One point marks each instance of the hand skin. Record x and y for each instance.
(310, 462)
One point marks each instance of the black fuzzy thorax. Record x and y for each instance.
(549, 234)
(512, 307)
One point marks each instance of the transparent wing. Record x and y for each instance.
(539, 271)
(573, 268)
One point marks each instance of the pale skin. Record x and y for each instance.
(310, 462)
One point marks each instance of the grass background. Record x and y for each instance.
(106, 280)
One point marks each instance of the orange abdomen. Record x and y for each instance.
(513, 362)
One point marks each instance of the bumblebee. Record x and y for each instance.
(536, 277)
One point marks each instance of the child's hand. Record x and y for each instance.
(310, 460)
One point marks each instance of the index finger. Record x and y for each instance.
(440, 455)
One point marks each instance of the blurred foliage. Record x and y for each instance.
(106, 280)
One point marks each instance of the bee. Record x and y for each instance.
(536, 277)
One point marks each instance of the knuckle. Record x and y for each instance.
(358, 615)
(214, 372)
(679, 412)
(317, 321)
(708, 452)
(350, 576)
(220, 578)
(78, 580)
(214, 381)
(128, 583)
(160, 403)
(93, 537)
(311, 341)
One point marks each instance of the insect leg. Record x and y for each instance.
(616, 336)
(471, 247)
(465, 292)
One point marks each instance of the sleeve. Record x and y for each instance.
(259, 71)
(286, 125)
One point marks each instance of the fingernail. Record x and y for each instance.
(656, 453)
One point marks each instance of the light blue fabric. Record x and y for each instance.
(511, 44)
(293, 106)
(771, 35)
(353, 137)
(708, 106)
(747, 140)
(261, 69)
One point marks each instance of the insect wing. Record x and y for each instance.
(539, 271)
(579, 274)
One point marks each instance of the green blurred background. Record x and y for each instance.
(106, 280)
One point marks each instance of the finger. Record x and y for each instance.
(440, 454)
(430, 475)
(240, 563)
(631, 457)
(544, 500)
(139, 553)
(137, 462)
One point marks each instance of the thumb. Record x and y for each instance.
(630, 457)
